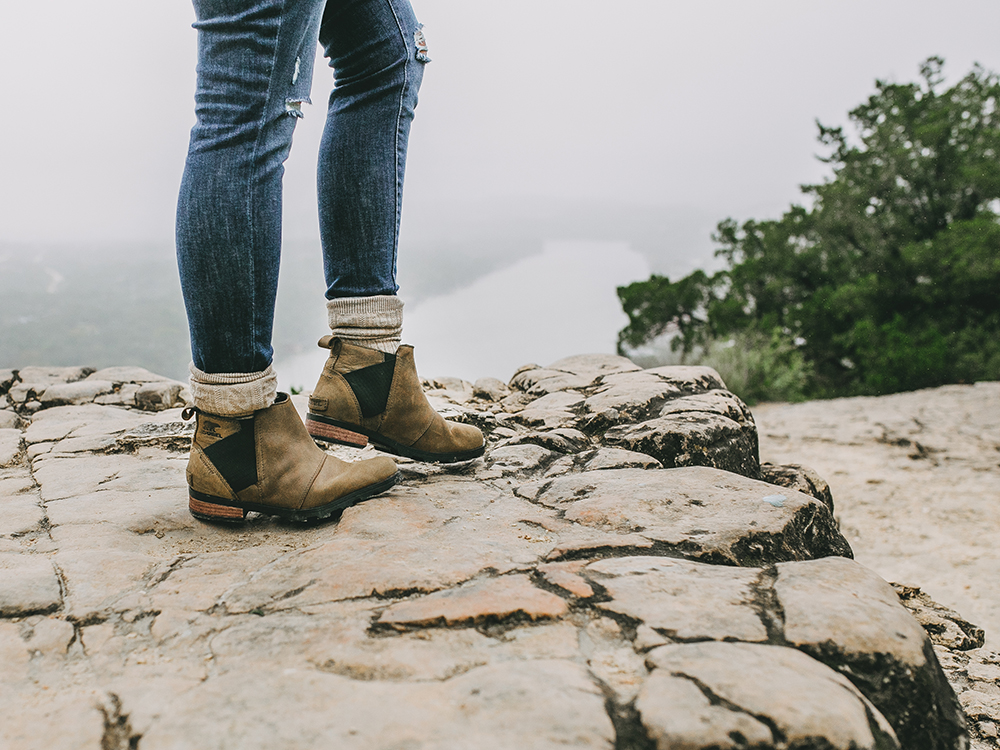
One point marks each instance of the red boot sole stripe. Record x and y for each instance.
(337, 434)
(216, 511)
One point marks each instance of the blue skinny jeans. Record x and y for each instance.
(255, 61)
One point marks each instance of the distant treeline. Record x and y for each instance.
(889, 282)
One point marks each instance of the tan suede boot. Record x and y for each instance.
(365, 395)
(268, 463)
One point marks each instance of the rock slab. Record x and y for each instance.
(569, 589)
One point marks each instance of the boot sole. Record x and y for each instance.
(220, 510)
(331, 431)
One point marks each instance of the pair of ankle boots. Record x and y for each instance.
(268, 462)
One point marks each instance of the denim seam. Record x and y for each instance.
(252, 177)
(399, 114)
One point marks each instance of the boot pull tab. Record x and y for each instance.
(189, 412)
(330, 342)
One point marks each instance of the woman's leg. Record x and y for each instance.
(255, 60)
(250, 449)
(369, 389)
(377, 51)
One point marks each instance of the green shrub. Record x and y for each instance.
(760, 367)
(888, 282)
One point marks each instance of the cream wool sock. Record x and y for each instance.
(372, 322)
(233, 394)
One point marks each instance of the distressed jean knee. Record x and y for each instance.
(300, 84)
(420, 43)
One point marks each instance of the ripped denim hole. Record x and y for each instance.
(298, 65)
(421, 41)
(293, 107)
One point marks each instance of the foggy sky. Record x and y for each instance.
(707, 105)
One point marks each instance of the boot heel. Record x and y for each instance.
(333, 434)
(213, 512)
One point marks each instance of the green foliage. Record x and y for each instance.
(889, 281)
(758, 367)
(658, 305)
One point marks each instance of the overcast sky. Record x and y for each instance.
(706, 105)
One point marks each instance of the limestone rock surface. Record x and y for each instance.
(28, 584)
(863, 630)
(770, 696)
(701, 512)
(570, 589)
(10, 445)
(79, 392)
(921, 471)
(30, 383)
(918, 481)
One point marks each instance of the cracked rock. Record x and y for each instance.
(51, 636)
(159, 396)
(711, 429)
(976, 677)
(10, 446)
(754, 695)
(35, 380)
(682, 600)
(558, 593)
(677, 713)
(703, 513)
(490, 389)
(19, 513)
(535, 705)
(567, 577)
(863, 631)
(944, 626)
(28, 584)
(551, 411)
(122, 375)
(416, 539)
(691, 378)
(616, 458)
(631, 395)
(488, 600)
(800, 478)
(519, 459)
(579, 371)
(71, 394)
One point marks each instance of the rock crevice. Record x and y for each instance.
(619, 571)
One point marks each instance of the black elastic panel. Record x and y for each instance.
(236, 456)
(371, 385)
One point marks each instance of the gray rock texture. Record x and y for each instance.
(757, 696)
(571, 588)
(917, 483)
(34, 388)
(28, 584)
(80, 392)
(917, 478)
(10, 445)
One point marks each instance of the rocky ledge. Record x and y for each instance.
(618, 572)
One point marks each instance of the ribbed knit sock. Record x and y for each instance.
(372, 322)
(233, 394)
